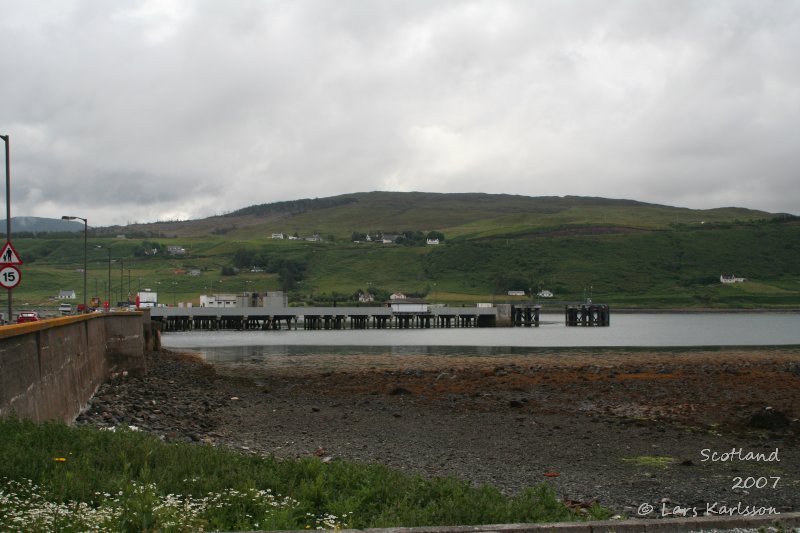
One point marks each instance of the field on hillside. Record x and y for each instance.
(676, 266)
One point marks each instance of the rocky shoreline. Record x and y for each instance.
(645, 433)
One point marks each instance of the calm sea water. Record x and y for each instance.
(626, 330)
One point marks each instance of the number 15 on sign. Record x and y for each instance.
(10, 276)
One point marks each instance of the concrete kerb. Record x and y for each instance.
(13, 330)
(789, 522)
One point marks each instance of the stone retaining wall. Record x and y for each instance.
(50, 369)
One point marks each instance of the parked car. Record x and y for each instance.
(27, 316)
(66, 309)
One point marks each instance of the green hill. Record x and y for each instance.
(622, 252)
(468, 215)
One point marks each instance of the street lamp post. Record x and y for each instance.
(109, 295)
(85, 252)
(8, 208)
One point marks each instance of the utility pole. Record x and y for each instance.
(6, 138)
(109, 296)
(85, 253)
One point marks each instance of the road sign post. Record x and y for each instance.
(10, 276)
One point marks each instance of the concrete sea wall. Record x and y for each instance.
(50, 369)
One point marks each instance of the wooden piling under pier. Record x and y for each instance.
(327, 322)
(217, 322)
(319, 318)
(592, 315)
(330, 318)
(525, 315)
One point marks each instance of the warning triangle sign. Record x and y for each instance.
(9, 255)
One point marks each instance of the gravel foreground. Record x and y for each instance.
(648, 434)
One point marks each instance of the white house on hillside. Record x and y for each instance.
(731, 279)
(66, 295)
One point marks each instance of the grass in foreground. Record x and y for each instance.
(53, 477)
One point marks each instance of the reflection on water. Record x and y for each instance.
(257, 353)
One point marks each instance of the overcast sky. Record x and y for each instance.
(155, 110)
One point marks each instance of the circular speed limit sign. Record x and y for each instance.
(10, 276)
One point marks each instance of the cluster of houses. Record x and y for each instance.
(541, 294)
(310, 238)
(389, 238)
(194, 272)
(171, 250)
(382, 238)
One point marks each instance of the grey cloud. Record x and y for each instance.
(177, 108)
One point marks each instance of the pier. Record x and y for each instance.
(587, 314)
(340, 318)
(359, 318)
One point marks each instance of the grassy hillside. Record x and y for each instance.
(468, 215)
(621, 252)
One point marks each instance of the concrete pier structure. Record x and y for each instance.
(587, 315)
(339, 318)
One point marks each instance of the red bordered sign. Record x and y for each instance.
(9, 255)
(10, 276)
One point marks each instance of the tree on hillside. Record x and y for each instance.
(436, 235)
(411, 238)
(148, 248)
(511, 282)
(290, 272)
(243, 258)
